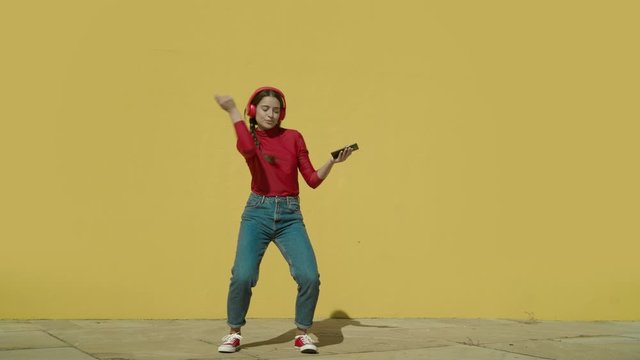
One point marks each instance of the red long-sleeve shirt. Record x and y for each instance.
(290, 152)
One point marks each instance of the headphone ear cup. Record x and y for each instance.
(252, 111)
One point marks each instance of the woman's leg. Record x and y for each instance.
(294, 244)
(253, 239)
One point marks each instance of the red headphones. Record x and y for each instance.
(250, 110)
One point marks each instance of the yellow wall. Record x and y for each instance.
(497, 177)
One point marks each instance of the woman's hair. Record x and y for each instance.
(252, 121)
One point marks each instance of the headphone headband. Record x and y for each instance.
(250, 109)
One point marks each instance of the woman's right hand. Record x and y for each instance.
(226, 103)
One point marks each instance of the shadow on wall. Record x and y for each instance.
(329, 331)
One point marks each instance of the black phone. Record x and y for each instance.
(353, 147)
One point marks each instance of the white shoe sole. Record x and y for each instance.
(226, 349)
(307, 349)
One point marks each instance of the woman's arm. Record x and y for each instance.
(245, 143)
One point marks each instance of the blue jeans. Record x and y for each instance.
(277, 219)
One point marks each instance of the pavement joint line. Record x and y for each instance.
(519, 353)
(537, 339)
(20, 330)
(591, 337)
(71, 345)
(206, 341)
(252, 355)
(36, 348)
(558, 339)
(626, 337)
(32, 348)
(333, 353)
(586, 336)
(507, 351)
(378, 351)
(484, 346)
(573, 337)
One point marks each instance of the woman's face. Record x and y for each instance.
(268, 113)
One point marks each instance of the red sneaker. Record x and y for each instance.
(305, 344)
(230, 344)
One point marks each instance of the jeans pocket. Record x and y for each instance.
(294, 206)
(254, 202)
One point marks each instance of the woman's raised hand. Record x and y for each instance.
(226, 102)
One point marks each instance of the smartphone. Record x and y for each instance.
(353, 147)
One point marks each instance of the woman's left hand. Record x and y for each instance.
(342, 155)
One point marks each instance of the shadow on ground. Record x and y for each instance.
(329, 331)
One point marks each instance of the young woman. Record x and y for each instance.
(272, 212)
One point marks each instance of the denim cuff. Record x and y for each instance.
(302, 327)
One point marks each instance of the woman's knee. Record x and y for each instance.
(244, 277)
(308, 279)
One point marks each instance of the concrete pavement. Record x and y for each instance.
(372, 339)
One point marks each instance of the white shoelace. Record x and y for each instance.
(306, 339)
(229, 338)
